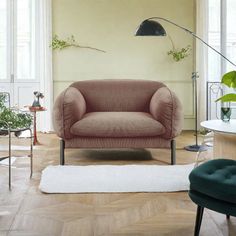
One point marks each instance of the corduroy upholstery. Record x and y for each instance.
(142, 113)
(117, 95)
(69, 107)
(117, 124)
(97, 142)
(165, 108)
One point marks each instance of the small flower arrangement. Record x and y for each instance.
(37, 95)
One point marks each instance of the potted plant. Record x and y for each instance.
(229, 80)
(12, 118)
(179, 54)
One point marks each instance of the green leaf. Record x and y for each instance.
(229, 79)
(179, 54)
(231, 97)
(14, 119)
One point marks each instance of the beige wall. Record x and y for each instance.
(110, 25)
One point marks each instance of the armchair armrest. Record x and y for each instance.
(166, 108)
(69, 107)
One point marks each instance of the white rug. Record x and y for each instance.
(115, 178)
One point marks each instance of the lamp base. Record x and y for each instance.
(196, 148)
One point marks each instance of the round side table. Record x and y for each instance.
(34, 110)
(224, 137)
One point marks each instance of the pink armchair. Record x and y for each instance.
(117, 114)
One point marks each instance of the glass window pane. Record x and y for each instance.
(25, 40)
(3, 39)
(231, 33)
(214, 60)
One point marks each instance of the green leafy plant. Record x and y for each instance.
(3, 99)
(179, 54)
(13, 119)
(60, 44)
(228, 79)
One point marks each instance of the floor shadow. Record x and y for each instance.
(118, 154)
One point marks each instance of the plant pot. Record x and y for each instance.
(18, 133)
(225, 112)
(3, 132)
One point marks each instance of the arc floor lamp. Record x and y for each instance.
(151, 27)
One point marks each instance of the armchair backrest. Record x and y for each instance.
(117, 95)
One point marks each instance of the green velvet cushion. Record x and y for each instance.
(212, 203)
(216, 179)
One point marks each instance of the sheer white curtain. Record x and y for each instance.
(201, 56)
(44, 12)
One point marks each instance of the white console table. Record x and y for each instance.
(224, 137)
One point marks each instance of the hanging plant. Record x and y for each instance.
(69, 42)
(179, 54)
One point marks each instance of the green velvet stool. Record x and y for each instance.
(213, 185)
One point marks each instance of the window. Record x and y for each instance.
(18, 50)
(3, 39)
(214, 39)
(231, 33)
(25, 33)
(222, 36)
(25, 38)
(17, 40)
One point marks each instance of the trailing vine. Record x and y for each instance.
(69, 42)
(178, 54)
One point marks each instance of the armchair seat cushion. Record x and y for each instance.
(117, 124)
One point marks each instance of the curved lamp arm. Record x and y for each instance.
(190, 32)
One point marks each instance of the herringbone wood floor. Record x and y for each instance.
(25, 211)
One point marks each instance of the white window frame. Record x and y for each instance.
(218, 90)
(223, 33)
(12, 45)
(43, 55)
(223, 36)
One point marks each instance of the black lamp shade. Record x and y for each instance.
(150, 28)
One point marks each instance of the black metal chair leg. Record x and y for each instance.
(62, 152)
(198, 222)
(173, 152)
